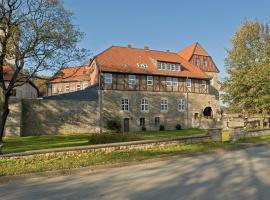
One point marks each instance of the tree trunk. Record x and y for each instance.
(4, 114)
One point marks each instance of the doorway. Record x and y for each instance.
(207, 112)
(126, 125)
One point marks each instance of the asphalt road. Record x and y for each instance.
(241, 175)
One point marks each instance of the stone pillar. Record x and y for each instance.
(215, 133)
(236, 133)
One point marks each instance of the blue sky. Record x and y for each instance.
(164, 24)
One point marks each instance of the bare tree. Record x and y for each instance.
(38, 35)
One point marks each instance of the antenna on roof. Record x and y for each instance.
(129, 46)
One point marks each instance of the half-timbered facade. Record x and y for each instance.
(148, 88)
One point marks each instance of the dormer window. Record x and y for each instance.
(168, 66)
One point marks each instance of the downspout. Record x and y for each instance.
(100, 98)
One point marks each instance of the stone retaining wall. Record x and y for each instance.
(210, 136)
(240, 132)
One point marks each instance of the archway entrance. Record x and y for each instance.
(207, 112)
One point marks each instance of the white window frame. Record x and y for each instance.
(204, 84)
(125, 104)
(78, 84)
(149, 80)
(181, 105)
(163, 66)
(168, 81)
(144, 105)
(159, 65)
(132, 79)
(172, 66)
(164, 105)
(205, 61)
(108, 78)
(177, 67)
(188, 83)
(67, 88)
(175, 81)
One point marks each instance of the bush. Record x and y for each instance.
(178, 127)
(104, 138)
(113, 125)
(143, 128)
(162, 127)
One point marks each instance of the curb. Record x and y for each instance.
(99, 168)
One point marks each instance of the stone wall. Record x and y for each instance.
(59, 117)
(240, 132)
(111, 101)
(39, 117)
(14, 123)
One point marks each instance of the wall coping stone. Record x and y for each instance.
(102, 146)
(258, 129)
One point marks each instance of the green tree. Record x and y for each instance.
(37, 35)
(247, 88)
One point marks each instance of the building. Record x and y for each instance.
(69, 80)
(24, 89)
(149, 88)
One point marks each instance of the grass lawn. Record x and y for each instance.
(262, 139)
(169, 134)
(20, 144)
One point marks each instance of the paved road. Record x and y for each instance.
(240, 175)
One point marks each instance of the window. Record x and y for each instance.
(144, 105)
(108, 78)
(13, 92)
(168, 81)
(172, 67)
(175, 81)
(78, 87)
(125, 104)
(157, 121)
(158, 65)
(142, 121)
(198, 61)
(188, 82)
(205, 61)
(177, 67)
(67, 88)
(149, 80)
(203, 83)
(168, 66)
(181, 105)
(85, 85)
(164, 105)
(131, 79)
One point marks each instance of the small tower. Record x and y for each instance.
(196, 55)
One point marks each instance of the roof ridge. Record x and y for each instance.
(142, 49)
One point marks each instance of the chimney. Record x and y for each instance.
(146, 48)
(129, 46)
(168, 50)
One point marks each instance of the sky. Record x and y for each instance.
(164, 24)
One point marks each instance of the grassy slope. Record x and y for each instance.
(20, 144)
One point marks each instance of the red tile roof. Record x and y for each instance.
(8, 74)
(72, 74)
(197, 49)
(194, 49)
(125, 60)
